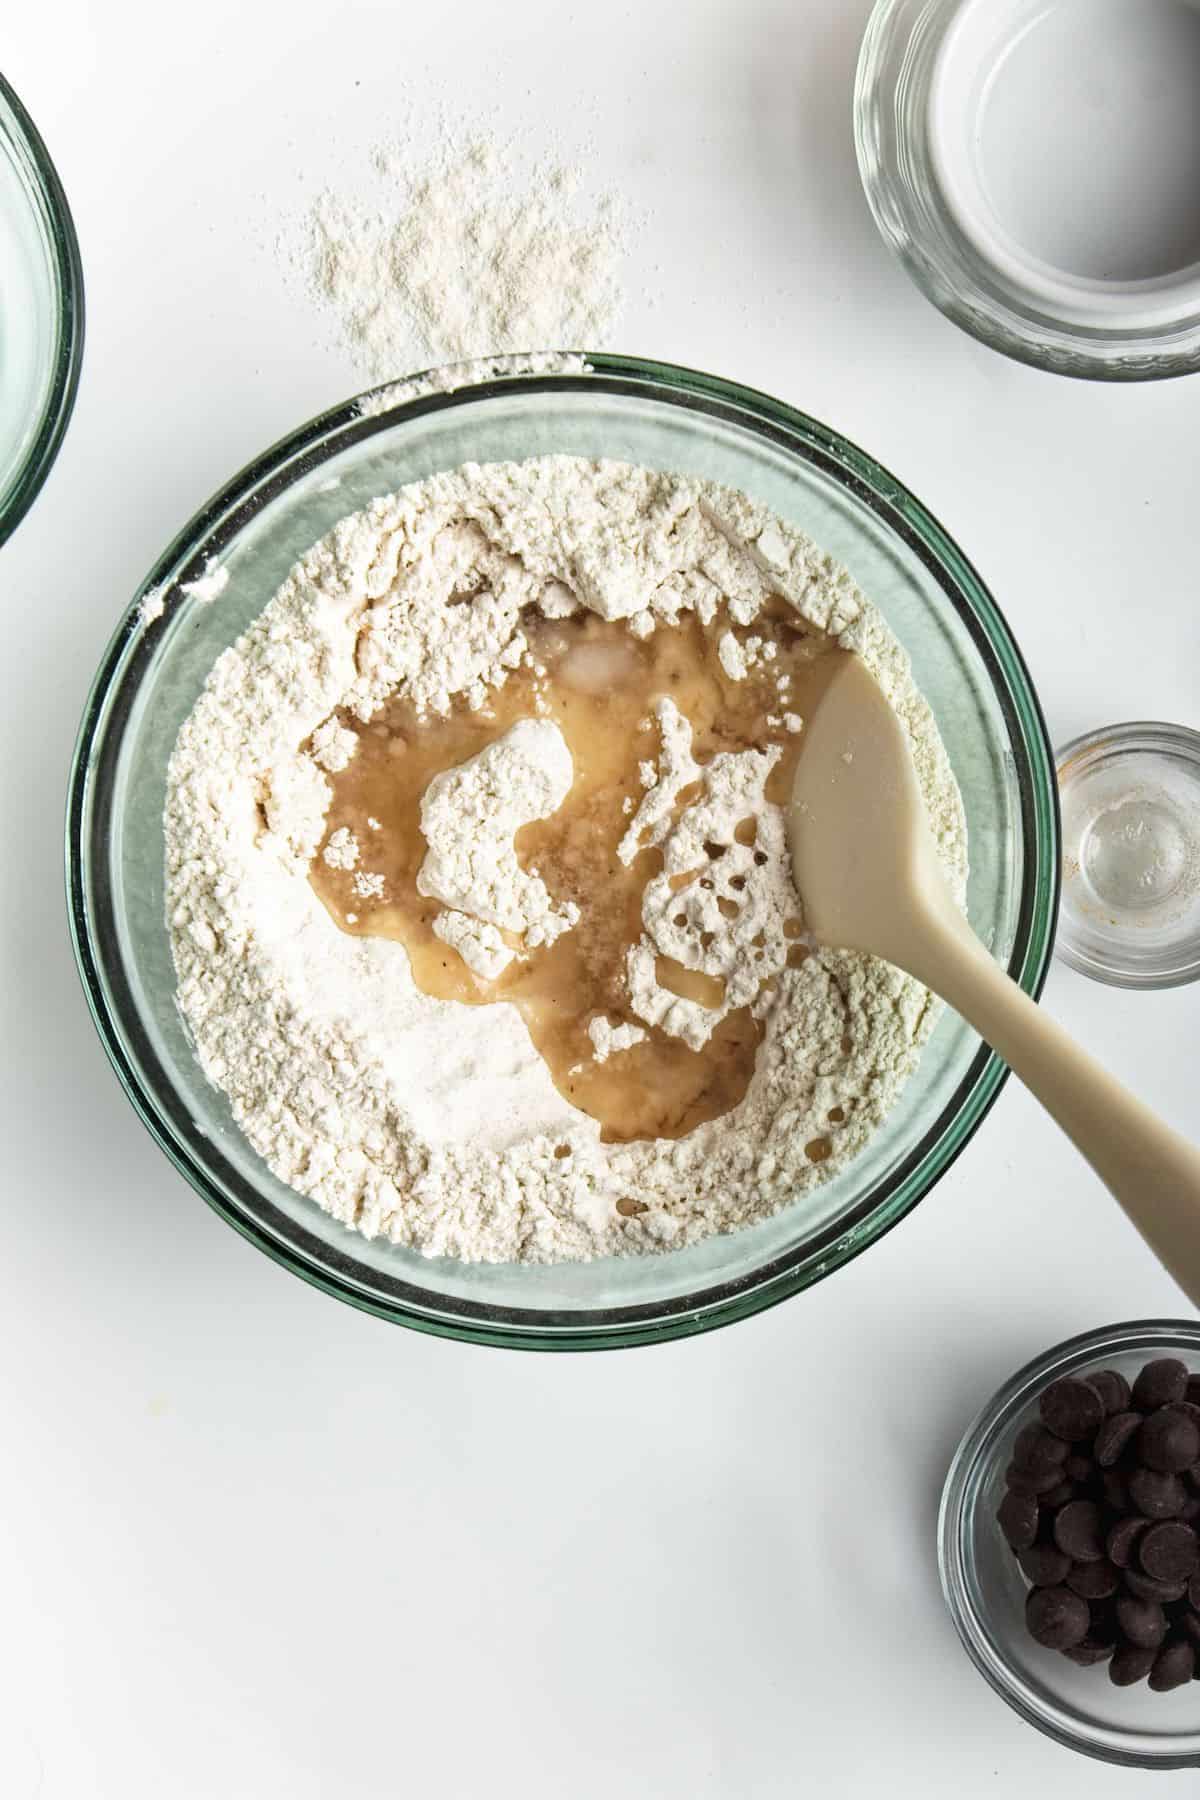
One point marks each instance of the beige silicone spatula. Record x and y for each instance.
(869, 877)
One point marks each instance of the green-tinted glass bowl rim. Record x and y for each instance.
(211, 530)
(69, 325)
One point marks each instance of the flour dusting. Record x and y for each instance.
(473, 254)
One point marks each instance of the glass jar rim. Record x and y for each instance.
(1011, 302)
(62, 245)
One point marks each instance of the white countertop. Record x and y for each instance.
(253, 1544)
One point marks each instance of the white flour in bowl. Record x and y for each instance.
(438, 1124)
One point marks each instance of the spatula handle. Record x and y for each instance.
(1152, 1172)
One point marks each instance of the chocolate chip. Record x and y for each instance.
(1161, 1381)
(1093, 1580)
(1122, 1538)
(1044, 1565)
(1149, 1587)
(1130, 1664)
(1036, 1448)
(1017, 1516)
(1116, 1491)
(1143, 1621)
(1113, 1436)
(1088, 1651)
(1073, 1410)
(1057, 1618)
(1031, 1481)
(1097, 1494)
(1104, 1628)
(1157, 1494)
(1077, 1530)
(1112, 1388)
(1172, 1667)
(1058, 1496)
(1168, 1440)
(1170, 1552)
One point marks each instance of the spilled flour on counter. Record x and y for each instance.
(473, 253)
(379, 996)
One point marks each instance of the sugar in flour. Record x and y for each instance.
(438, 1124)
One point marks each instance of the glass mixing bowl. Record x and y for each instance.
(985, 1589)
(41, 312)
(965, 662)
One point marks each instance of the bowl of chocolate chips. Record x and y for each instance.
(1069, 1543)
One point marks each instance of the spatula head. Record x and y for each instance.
(862, 851)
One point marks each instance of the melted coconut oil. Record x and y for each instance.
(599, 684)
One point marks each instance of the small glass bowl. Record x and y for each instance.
(41, 312)
(986, 1591)
(929, 208)
(1130, 799)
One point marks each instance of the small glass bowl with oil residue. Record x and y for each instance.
(1130, 798)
